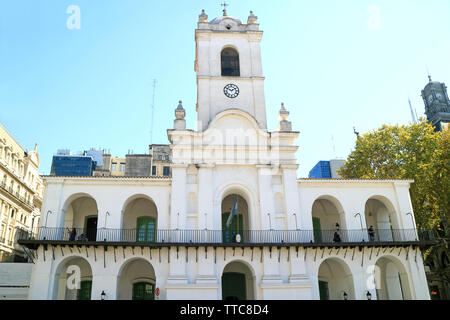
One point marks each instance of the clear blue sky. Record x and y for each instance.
(326, 60)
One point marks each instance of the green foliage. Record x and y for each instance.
(412, 151)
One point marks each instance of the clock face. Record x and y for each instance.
(231, 90)
(430, 98)
(439, 96)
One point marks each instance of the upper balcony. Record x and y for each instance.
(225, 238)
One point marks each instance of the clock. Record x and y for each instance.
(430, 98)
(439, 96)
(231, 90)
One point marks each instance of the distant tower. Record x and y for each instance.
(437, 104)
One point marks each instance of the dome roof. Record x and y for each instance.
(220, 19)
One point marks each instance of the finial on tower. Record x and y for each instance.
(180, 114)
(283, 115)
(252, 18)
(203, 17)
(224, 5)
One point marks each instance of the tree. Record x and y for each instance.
(412, 151)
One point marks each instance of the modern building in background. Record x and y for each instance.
(21, 195)
(437, 104)
(232, 221)
(99, 163)
(326, 169)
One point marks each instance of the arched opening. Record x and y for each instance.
(140, 220)
(391, 280)
(335, 280)
(230, 63)
(80, 220)
(380, 223)
(137, 281)
(73, 280)
(237, 282)
(234, 218)
(328, 221)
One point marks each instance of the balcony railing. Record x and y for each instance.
(16, 195)
(221, 236)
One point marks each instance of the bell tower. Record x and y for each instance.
(437, 104)
(229, 69)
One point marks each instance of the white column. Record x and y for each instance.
(41, 278)
(271, 266)
(178, 197)
(177, 266)
(265, 197)
(205, 197)
(206, 270)
(298, 265)
(291, 194)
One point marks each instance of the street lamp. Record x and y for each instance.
(106, 216)
(360, 221)
(345, 295)
(369, 295)
(103, 295)
(296, 226)
(270, 222)
(46, 218)
(412, 221)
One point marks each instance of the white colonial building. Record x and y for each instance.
(173, 237)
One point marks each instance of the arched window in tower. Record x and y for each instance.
(230, 63)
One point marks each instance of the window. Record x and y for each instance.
(85, 290)
(143, 291)
(154, 171)
(230, 63)
(146, 227)
(114, 167)
(122, 167)
(166, 171)
(323, 290)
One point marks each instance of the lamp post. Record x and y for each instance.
(369, 295)
(270, 222)
(106, 216)
(412, 221)
(46, 218)
(345, 295)
(296, 227)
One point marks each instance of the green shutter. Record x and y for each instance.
(143, 291)
(323, 290)
(85, 290)
(234, 286)
(145, 230)
(317, 230)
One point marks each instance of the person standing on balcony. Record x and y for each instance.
(371, 233)
(73, 234)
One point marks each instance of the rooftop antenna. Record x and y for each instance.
(224, 5)
(153, 112)
(414, 117)
(334, 146)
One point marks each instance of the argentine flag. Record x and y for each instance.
(233, 213)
